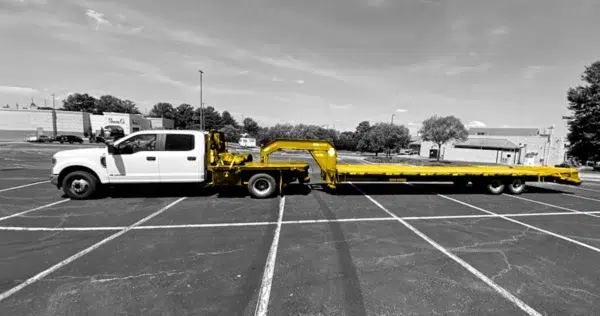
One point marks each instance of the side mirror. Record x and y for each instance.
(112, 150)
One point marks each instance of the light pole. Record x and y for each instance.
(393, 118)
(201, 104)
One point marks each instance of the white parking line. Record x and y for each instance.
(267, 280)
(23, 186)
(569, 186)
(551, 205)
(309, 221)
(507, 295)
(33, 209)
(582, 197)
(80, 254)
(525, 224)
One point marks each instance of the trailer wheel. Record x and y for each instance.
(495, 186)
(516, 187)
(80, 185)
(262, 185)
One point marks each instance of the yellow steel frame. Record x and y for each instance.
(326, 157)
(321, 150)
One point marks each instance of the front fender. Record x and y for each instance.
(94, 166)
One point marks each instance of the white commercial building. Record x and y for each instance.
(512, 146)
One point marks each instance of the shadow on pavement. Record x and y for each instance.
(197, 190)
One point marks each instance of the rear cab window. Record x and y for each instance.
(179, 142)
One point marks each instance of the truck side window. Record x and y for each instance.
(179, 142)
(144, 142)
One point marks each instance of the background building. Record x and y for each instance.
(512, 146)
(17, 124)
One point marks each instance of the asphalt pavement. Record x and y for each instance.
(366, 249)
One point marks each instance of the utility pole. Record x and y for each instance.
(393, 118)
(53, 106)
(201, 103)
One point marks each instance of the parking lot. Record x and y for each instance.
(370, 249)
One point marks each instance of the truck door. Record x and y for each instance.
(181, 161)
(135, 161)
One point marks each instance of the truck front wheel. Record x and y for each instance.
(80, 185)
(262, 185)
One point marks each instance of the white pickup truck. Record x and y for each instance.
(168, 156)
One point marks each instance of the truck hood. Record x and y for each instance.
(82, 152)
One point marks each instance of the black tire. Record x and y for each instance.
(71, 142)
(495, 186)
(62, 141)
(516, 186)
(85, 181)
(262, 185)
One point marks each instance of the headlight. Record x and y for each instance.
(53, 161)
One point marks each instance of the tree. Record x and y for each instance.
(162, 109)
(109, 103)
(183, 116)
(345, 141)
(232, 133)
(212, 118)
(441, 130)
(584, 124)
(227, 119)
(79, 102)
(251, 127)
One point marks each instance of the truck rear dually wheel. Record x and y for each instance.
(262, 185)
(80, 185)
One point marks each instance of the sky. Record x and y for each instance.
(490, 63)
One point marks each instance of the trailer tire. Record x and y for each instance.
(80, 185)
(516, 186)
(495, 186)
(262, 185)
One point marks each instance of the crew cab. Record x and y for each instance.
(168, 156)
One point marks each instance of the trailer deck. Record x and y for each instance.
(495, 178)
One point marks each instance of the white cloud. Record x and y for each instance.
(275, 79)
(17, 90)
(401, 110)
(531, 72)
(340, 106)
(476, 124)
(501, 30)
(375, 3)
(299, 81)
(98, 17)
(457, 70)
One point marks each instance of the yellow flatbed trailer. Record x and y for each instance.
(495, 179)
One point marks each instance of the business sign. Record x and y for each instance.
(135, 122)
(116, 121)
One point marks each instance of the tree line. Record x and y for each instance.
(367, 137)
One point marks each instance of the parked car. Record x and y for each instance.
(44, 139)
(69, 139)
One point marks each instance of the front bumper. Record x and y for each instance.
(54, 179)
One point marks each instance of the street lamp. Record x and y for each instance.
(201, 104)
